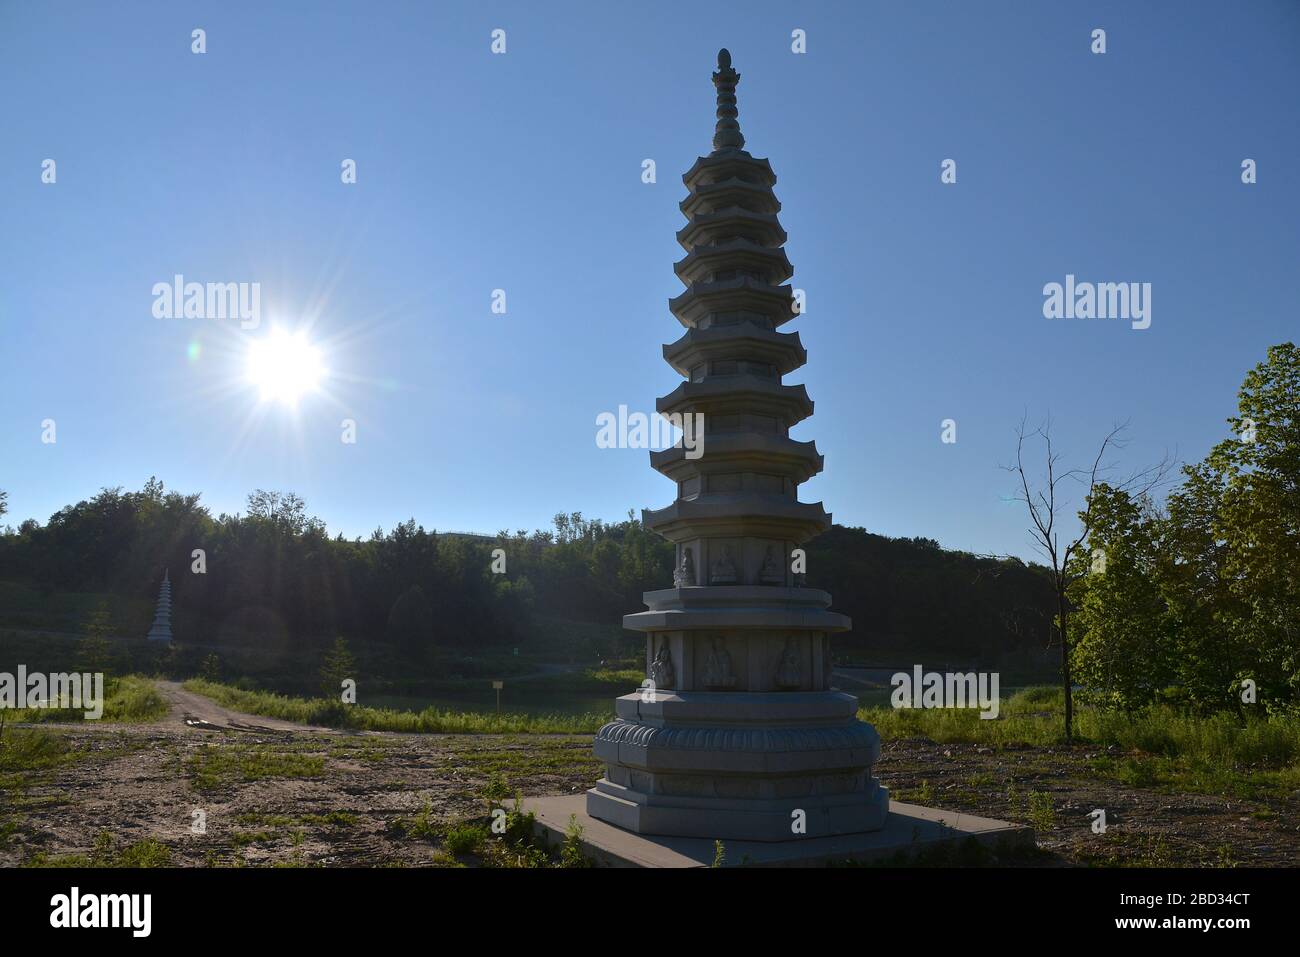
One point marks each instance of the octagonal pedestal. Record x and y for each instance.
(774, 766)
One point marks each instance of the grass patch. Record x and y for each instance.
(423, 827)
(1129, 850)
(611, 681)
(497, 788)
(571, 850)
(296, 858)
(26, 750)
(215, 765)
(1159, 746)
(1041, 811)
(517, 846)
(464, 839)
(335, 714)
(547, 756)
(129, 699)
(28, 756)
(503, 839)
(331, 819)
(105, 853)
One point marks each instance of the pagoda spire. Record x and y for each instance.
(727, 135)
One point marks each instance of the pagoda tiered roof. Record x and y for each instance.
(782, 350)
(742, 478)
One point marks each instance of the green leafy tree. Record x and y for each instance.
(1215, 583)
(212, 668)
(1045, 496)
(1259, 522)
(337, 666)
(94, 653)
(1123, 652)
(1192, 580)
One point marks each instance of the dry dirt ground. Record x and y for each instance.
(271, 792)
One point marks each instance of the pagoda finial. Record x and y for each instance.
(727, 135)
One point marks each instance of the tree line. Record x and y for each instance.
(1196, 600)
(274, 577)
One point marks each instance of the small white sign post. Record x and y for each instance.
(498, 685)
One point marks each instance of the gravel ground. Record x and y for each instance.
(271, 792)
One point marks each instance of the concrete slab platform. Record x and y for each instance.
(908, 830)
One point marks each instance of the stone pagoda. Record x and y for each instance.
(737, 733)
(161, 630)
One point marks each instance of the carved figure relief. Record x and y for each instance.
(771, 573)
(685, 573)
(724, 569)
(661, 668)
(788, 673)
(717, 670)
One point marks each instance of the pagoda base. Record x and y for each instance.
(737, 819)
(777, 766)
(910, 832)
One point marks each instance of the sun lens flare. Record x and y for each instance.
(284, 367)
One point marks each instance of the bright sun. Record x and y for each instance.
(284, 367)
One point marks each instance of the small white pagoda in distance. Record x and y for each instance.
(161, 629)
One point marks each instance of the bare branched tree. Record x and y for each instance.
(1044, 496)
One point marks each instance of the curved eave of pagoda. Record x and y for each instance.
(737, 395)
(718, 619)
(742, 452)
(742, 294)
(739, 341)
(738, 515)
(726, 164)
(708, 197)
(707, 228)
(685, 597)
(739, 253)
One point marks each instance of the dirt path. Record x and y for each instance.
(194, 711)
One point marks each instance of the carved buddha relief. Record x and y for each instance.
(684, 575)
(718, 675)
(771, 573)
(789, 675)
(724, 569)
(661, 668)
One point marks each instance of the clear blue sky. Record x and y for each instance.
(523, 172)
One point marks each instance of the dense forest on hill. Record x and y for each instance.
(909, 596)
(274, 578)
(1192, 600)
